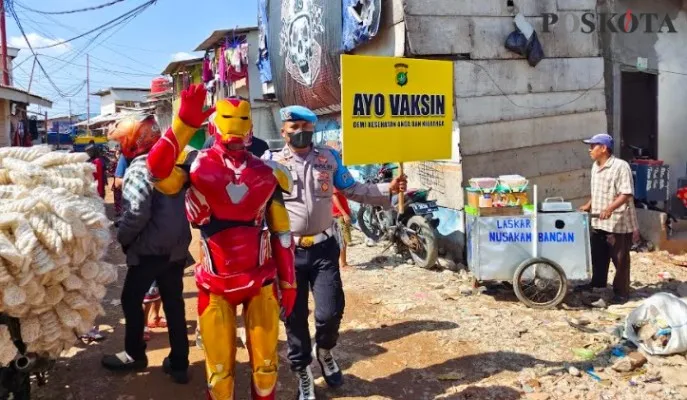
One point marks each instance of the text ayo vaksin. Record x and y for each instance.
(400, 105)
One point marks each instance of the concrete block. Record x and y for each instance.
(477, 8)
(576, 5)
(481, 110)
(390, 42)
(392, 13)
(529, 161)
(490, 33)
(438, 35)
(573, 186)
(495, 77)
(486, 138)
(442, 177)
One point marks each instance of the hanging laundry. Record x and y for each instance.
(360, 22)
(207, 68)
(263, 62)
(222, 68)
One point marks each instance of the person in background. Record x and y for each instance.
(152, 302)
(155, 235)
(257, 146)
(615, 227)
(117, 183)
(342, 214)
(99, 173)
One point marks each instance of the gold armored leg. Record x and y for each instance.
(217, 321)
(262, 328)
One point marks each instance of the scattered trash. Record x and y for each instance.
(584, 354)
(659, 325)
(574, 371)
(618, 351)
(581, 328)
(451, 376)
(666, 276)
(599, 304)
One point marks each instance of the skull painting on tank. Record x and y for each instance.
(301, 20)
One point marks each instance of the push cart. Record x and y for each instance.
(537, 251)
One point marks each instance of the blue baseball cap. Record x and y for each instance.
(602, 138)
(297, 113)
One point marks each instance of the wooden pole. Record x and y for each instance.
(3, 33)
(401, 195)
(33, 68)
(88, 94)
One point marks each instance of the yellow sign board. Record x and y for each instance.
(395, 109)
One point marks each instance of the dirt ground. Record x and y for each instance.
(413, 334)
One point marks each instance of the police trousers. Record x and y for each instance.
(317, 270)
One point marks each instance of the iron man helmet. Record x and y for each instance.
(232, 121)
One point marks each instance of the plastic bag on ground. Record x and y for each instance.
(659, 309)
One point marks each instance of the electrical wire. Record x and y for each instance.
(12, 12)
(71, 11)
(100, 27)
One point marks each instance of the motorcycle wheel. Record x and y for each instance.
(426, 252)
(368, 223)
(23, 392)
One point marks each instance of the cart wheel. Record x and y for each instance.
(540, 283)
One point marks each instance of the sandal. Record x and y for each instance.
(93, 335)
(159, 322)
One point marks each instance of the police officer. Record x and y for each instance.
(316, 171)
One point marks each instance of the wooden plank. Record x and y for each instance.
(489, 36)
(438, 35)
(529, 161)
(576, 5)
(481, 110)
(495, 77)
(485, 138)
(495, 8)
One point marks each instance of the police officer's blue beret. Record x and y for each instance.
(297, 113)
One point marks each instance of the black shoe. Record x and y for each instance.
(619, 300)
(123, 362)
(330, 369)
(587, 287)
(178, 376)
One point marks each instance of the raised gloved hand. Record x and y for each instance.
(288, 300)
(191, 107)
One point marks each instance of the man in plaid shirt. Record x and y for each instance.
(616, 226)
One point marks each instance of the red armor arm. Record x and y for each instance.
(283, 248)
(163, 156)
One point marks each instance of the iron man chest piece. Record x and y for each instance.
(236, 192)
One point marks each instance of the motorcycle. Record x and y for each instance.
(412, 232)
(15, 378)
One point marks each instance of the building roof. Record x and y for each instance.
(217, 36)
(174, 65)
(107, 91)
(22, 96)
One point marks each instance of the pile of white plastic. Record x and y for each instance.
(53, 236)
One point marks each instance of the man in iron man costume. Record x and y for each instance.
(231, 195)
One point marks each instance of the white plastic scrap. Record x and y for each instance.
(53, 236)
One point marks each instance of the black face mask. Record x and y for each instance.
(301, 139)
